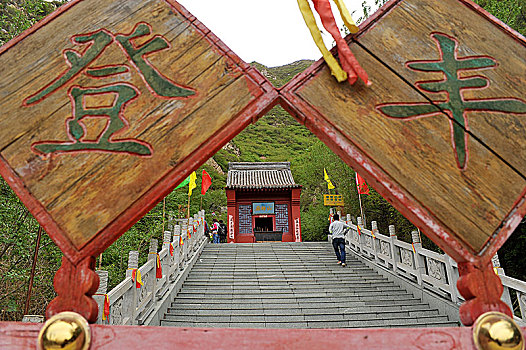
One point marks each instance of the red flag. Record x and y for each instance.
(206, 181)
(359, 230)
(361, 185)
(171, 249)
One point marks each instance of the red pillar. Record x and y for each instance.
(296, 220)
(231, 215)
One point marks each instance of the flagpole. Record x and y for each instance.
(361, 209)
(360, 199)
(164, 208)
(188, 208)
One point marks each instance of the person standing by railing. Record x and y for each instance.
(338, 229)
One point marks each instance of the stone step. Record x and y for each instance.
(234, 293)
(284, 281)
(301, 318)
(285, 284)
(291, 287)
(269, 276)
(291, 304)
(410, 310)
(263, 298)
(314, 323)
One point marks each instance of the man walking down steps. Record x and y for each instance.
(338, 229)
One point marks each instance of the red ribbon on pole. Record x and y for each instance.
(136, 277)
(158, 267)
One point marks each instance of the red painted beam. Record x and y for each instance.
(18, 336)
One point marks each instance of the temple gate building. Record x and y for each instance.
(263, 203)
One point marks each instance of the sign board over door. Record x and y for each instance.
(107, 105)
(440, 133)
(263, 208)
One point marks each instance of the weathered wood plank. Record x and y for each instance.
(30, 77)
(407, 31)
(86, 192)
(417, 154)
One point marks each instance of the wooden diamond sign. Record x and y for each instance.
(440, 133)
(106, 105)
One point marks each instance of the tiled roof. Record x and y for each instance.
(260, 175)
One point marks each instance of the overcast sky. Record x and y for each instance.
(271, 32)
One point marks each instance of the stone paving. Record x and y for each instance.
(292, 285)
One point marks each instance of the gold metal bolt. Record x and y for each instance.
(497, 331)
(65, 331)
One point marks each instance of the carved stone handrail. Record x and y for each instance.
(432, 272)
(130, 305)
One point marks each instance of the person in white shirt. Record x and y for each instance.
(338, 230)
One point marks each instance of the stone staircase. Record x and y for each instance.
(292, 285)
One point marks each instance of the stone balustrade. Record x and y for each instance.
(133, 305)
(430, 271)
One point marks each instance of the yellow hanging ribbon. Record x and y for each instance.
(346, 16)
(310, 21)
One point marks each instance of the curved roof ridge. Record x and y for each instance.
(260, 175)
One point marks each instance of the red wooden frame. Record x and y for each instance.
(264, 92)
(355, 157)
(22, 336)
(473, 266)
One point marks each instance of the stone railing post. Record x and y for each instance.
(418, 259)
(500, 272)
(184, 234)
(152, 255)
(348, 222)
(374, 230)
(133, 264)
(452, 278)
(202, 225)
(196, 233)
(168, 261)
(100, 295)
(179, 249)
(360, 239)
(191, 238)
(394, 253)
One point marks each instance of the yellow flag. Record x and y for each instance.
(192, 185)
(329, 183)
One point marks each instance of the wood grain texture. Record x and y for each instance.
(86, 192)
(417, 154)
(22, 336)
(404, 34)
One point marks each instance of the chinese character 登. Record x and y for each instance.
(122, 93)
